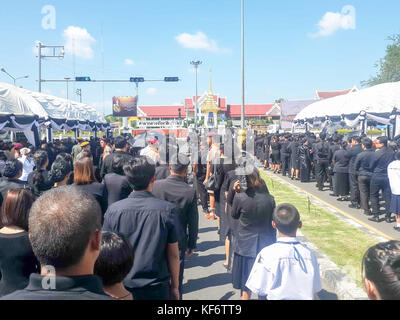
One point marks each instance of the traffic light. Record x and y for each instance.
(171, 79)
(83, 79)
(136, 80)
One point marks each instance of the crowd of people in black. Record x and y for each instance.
(354, 169)
(99, 219)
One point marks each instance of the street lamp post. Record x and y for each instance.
(14, 79)
(196, 66)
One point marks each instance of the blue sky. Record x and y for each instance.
(292, 47)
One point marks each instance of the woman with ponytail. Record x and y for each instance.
(39, 180)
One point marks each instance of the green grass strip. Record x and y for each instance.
(344, 244)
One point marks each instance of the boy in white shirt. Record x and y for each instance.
(286, 270)
(394, 180)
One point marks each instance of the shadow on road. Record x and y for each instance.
(204, 261)
(213, 280)
(227, 295)
(207, 245)
(209, 229)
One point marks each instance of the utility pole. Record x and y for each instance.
(53, 54)
(67, 79)
(196, 66)
(243, 98)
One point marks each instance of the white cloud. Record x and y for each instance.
(151, 91)
(198, 41)
(78, 42)
(129, 62)
(334, 21)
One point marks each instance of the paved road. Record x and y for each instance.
(205, 278)
(384, 229)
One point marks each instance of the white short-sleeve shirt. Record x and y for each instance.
(286, 270)
(394, 177)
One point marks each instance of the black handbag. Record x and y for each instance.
(212, 182)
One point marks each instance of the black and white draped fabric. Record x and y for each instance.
(27, 111)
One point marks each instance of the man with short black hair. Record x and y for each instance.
(353, 179)
(149, 224)
(380, 180)
(364, 172)
(175, 190)
(321, 159)
(121, 148)
(287, 269)
(65, 234)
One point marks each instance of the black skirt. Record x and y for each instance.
(276, 157)
(342, 184)
(241, 269)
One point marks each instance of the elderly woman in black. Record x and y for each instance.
(254, 208)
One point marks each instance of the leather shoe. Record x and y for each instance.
(396, 228)
(367, 212)
(353, 206)
(388, 219)
(374, 219)
(333, 195)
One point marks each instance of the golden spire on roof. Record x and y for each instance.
(210, 105)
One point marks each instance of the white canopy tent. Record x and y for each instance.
(24, 110)
(378, 103)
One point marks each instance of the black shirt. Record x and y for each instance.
(149, 225)
(6, 185)
(321, 151)
(175, 190)
(66, 288)
(106, 166)
(362, 163)
(162, 172)
(341, 159)
(44, 183)
(352, 154)
(254, 209)
(117, 186)
(381, 160)
(98, 191)
(17, 262)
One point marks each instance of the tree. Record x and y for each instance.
(389, 66)
(111, 118)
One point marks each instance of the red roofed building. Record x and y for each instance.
(320, 95)
(254, 111)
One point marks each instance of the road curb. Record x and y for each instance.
(336, 279)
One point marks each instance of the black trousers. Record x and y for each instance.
(364, 183)
(322, 172)
(202, 193)
(354, 189)
(156, 292)
(380, 183)
(285, 164)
